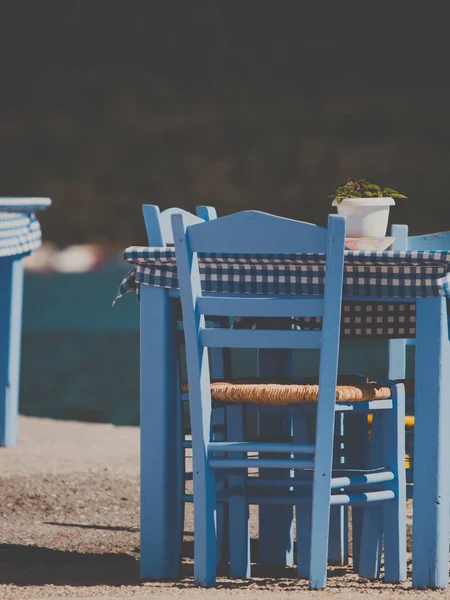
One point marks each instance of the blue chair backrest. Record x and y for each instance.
(427, 241)
(257, 233)
(159, 225)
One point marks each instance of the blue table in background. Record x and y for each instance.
(386, 295)
(20, 235)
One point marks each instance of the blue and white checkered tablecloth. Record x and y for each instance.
(388, 274)
(20, 232)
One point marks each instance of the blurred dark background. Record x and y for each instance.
(257, 104)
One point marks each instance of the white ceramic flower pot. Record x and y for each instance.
(365, 217)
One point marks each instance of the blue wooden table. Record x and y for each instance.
(20, 235)
(386, 295)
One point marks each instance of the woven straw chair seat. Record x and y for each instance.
(283, 393)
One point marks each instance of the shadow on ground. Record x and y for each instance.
(22, 565)
(98, 527)
(33, 565)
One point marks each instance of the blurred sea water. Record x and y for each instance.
(80, 355)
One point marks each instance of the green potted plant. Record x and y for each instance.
(365, 206)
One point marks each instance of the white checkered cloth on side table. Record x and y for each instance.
(20, 234)
(387, 274)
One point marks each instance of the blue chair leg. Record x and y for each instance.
(338, 540)
(276, 532)
(11, 294)
(179, 472)
(302, 435)
(220, 369)
(218, 419)
(394, 512)
(205, 532)
(320, 520)
(239, 525)
(357, 452)
(372, 527)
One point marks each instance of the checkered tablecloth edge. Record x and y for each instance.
(366, 274)
(20, 234)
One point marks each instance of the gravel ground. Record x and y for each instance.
(69, 525)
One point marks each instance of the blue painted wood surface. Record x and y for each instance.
(397, 348)
(161, 456)
(230, 235)
(338, 538)
(429, 241)
(394, 512)
(431, 485)
(200, 410)
(159, 227)
(329, 357)
(11, 294)
(302, 434)
(431, 499)
(370, 545)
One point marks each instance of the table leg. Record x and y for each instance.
(11, 299)
(431, 441)
(276, 537)
(397, 359)
(161, 448)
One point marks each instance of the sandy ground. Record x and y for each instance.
(69, 525)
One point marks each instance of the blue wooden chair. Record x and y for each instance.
(274, 525)
(159, 233)
(316, 486)
(159, 226)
